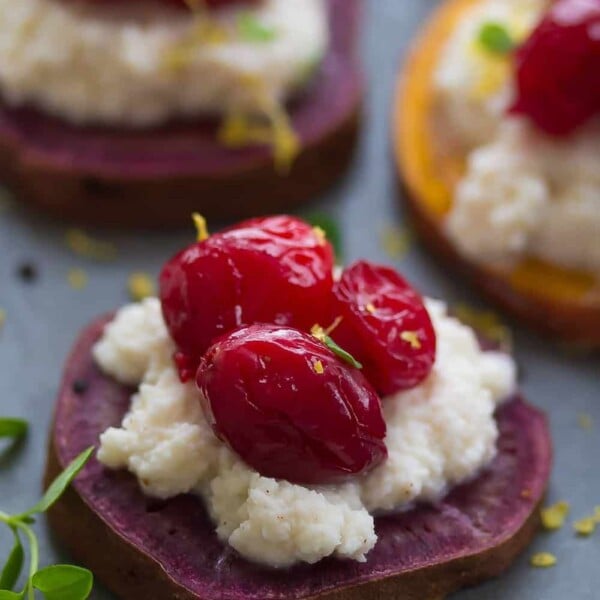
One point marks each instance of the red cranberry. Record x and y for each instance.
(289, 408)
(558, 68)
(267, 270)
(384, 325)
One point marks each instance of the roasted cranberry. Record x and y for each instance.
(267, 270)
(384, 324)
(289, 407)
(558, 68)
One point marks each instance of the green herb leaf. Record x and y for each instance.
(252, 30)
(14, 565)
(495, 38)
(60, 484)
(341, 353)
(63, 582)
(7, 595)
(13, 428)
(331, 228)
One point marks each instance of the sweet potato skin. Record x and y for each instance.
(91, 525)
(167, 201)
(131, 575)
(155, 178)
(574, 322)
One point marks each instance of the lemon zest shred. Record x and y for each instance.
(586, 526)
(2, 317)
(585, 421)
(140, 286)
(396, 241)
(334, 325)
(321, 234)
(543, 560)
(553, 517)
(597, 514)
(77, 278)
(412, 338)
(205, 31)
(85, 245)
(202, 233)
(318, 367)
(318, 332)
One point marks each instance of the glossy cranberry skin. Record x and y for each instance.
(266, 270)
(385, 325)
(289, 407)
(558, 68)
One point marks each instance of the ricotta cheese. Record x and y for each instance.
(523, 193)
(140, 64)
(439, 434)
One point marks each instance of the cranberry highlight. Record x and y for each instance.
(289, 407)
(384, 324)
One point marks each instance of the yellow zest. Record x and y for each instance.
(396, 241)
(370, 308)
(494, 71)
(273, 128)
(321, 333)
(412, 338)
(318, 367)
(553, 517)
(485, 322)
(84, 245)
(543, 560)
(77, 278)
(205, 31)
(140, 286)
(586, 526)
(321, 235)
(2, 317)
(318, 332)
(201, 228)
(585, 421)
(239, 131)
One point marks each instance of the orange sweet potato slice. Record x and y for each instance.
(561, 303)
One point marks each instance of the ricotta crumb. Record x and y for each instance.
(114, 64)
(440, 433)
(524, 193)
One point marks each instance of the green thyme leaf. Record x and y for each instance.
(252, 30)
(331, 228)
(341, 353)
(13, 428)
(495, 38)
(7, 595)
(14, 564)
(60, 484)
(63, 582)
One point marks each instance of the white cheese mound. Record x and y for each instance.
(528, 194)
(524, 193)
(439, 434)
(142, 64)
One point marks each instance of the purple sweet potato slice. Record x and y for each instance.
(159, 551)
(157, 177)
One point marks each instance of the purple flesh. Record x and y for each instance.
(180, 537)
(191, 148)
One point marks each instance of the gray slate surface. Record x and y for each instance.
(44, 317)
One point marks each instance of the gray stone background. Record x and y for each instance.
(43, 318)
